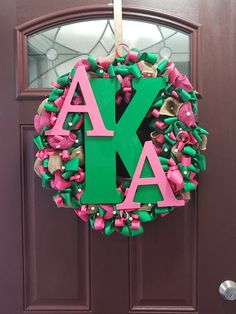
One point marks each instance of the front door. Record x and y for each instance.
(51, 262)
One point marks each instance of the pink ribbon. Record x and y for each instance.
(135, 224)
(175, 176)
(126, 84)
(183, 138)
(172, 136)
(155, 113)
(78, 177)
(78, 195)
(45, 153)
(82, 212)
(185, 114)
(53, 118)
(99, 223)
(191, 178)
(58, 182)
(177, 79)
(77, 100)
(58, 200)
(55, 84)
(61, 142)
(186, 161)
(83, 62)
(65, 155)
(109, 211)
(41, 169)
(42, 120)
(103, 63)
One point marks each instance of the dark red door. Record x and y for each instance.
(50, 261)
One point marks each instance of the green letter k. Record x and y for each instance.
(100, 151)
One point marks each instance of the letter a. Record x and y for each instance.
(90, 107)
(159, 179)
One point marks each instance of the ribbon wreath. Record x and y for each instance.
(172, 127)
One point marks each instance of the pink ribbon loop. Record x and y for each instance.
(45, 153)
(58, 182)
(183, 138)
(58, 200)
(175, 176)
(82, 213)
(99, 223)
(78, 177)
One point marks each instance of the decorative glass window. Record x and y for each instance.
(54, 51)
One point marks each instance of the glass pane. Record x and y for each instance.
(54, 51)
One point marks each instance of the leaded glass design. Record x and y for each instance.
(54, 51)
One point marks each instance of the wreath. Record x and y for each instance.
(169, 127)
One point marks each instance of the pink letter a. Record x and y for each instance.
(90, 107)
(159, 179)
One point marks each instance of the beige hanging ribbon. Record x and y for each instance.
(117, 11)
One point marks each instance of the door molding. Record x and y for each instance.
(90, 12)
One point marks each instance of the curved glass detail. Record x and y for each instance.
(54, 51)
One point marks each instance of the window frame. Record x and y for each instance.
(96, 12)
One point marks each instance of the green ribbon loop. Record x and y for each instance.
(67, 174)
(188, 186)
(170, 120)
(111, 71)
(188, 150)
(179, 126)
(201, 130)
(184, 170)
(185, 96)
(128, 232)
(109, 228)
(46, 176)
(63, 80)
(162, 65)
(121, 69)
(51, 107)
(39, 141)
(75, 203)
(200, 159)
(158, 103)
(172, 142)
(166, 149)
(66, 197)
(135, 70)
(72, 164)
(145, 216)
(149, 57)
(93, 63)
(45, 162)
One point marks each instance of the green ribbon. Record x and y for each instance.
(45, 162)
(51, 107)
(63, 80)
(188, 186)
(109, 227)
(149, 57)
(162, 65)
(135, 70)
(93, 63)
(128, 232)
(39, 142)
(72, 164)
(111, 71)
(188, 150)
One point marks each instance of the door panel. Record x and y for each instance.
(56, 246)
(53, 263)
(163, 265)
